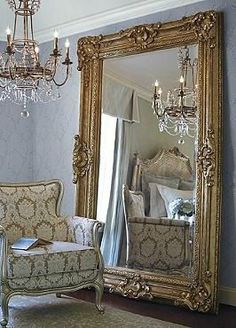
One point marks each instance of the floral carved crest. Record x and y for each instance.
(88, 49)
(202, 24)
(142, 35)
(206, 158)
(82, 158)
(133, 287)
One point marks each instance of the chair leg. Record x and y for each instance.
(99, 293)
(5, 310)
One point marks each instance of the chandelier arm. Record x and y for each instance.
(64, 82)
(156, 111)
(14, 31)
(193, 77)
(52, 76)
(49, 79)
(2, 86)
(13, 77)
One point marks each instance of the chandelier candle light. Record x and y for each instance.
(23, 78)
(177, 115)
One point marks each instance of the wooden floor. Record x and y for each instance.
(226, 317)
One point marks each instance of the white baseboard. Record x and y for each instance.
(227, 296)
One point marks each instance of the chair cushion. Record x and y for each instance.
(51, 259)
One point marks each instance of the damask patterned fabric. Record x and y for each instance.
(32, 210)
(82, 230)
(158, 243)
(51, 259)
(42, 282)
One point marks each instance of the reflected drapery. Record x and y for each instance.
(120, 101)
(114, 227)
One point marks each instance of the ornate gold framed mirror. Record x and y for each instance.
(124, 150)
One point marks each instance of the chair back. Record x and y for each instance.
(30, 209)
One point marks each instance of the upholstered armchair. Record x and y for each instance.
(154, 243)
(73, 261)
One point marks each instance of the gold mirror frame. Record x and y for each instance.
(200, 291)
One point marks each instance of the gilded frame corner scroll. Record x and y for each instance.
(198, 292)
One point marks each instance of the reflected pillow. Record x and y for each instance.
(186, 185)
(157, 203)
(170, 194)
(147, 179)
(134, 203)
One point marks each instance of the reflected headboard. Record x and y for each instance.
(166, 163)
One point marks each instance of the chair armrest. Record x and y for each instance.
(3, 255)
(85, 231)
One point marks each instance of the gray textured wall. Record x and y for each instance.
(55, 125)
(16, 143)
(146, 139)
(52, 154)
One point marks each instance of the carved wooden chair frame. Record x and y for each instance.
(198, 292)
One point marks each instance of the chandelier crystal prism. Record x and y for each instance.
(23, 78)
(177, 114)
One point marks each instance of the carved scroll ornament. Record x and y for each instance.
(133, 287)
(206, 158)
(82, 158)
(199, 296)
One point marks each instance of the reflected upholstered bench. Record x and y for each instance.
(154, 243)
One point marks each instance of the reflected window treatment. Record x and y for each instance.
(120, 101)
(114, 227)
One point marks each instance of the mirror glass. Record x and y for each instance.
(146, 194)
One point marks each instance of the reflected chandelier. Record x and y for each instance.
(22, 77)
(177, 115)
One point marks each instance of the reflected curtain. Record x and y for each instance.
(114, 227)
(120, 101)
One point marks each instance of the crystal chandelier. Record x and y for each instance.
(23, 78)
(177, 114)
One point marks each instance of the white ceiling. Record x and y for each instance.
(74, 16)
(141, 71)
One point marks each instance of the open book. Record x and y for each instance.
(26, 243)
